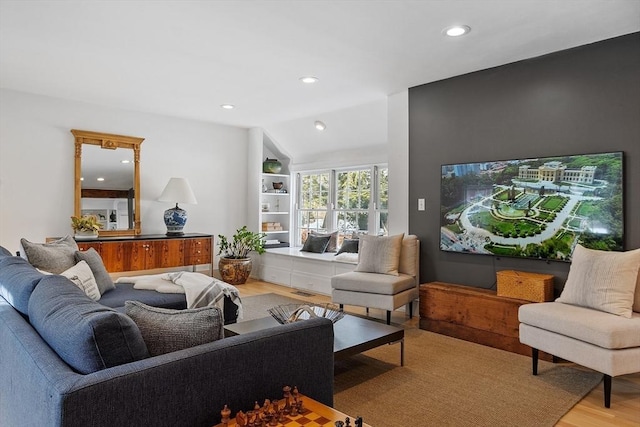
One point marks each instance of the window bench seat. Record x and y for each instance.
(301, 270)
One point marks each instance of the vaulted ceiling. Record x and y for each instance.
(187, 58)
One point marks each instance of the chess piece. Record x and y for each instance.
(358, 422)
(339, 424)
(347, 422)
(226, 412)
(241, 419)
(287, 396)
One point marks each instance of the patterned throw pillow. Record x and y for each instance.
(93, 258)
(380, 254)
(316, 244)
(165, 330)
(54, 257)
(81, 276)
(602, 280)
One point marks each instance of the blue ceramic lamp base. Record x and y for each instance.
(175, 220)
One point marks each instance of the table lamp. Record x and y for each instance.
(177, 190)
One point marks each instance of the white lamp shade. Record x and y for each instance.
(178, 190)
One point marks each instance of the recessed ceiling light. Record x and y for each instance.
(308, 79)
(82, 178)
(100, 179)
(125, 161)
(320, 125)
(456, 30)
(228, 106)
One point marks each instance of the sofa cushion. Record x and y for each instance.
(316, 244)
(54, 257)
(372, 283)
(409, 255)
(125, 292)
(165, 330)
(4, 252)
(82, 276)
(380, 254)
(596, 327)
(85, 334)
(602, 280)
(93, 258)
(18, 279)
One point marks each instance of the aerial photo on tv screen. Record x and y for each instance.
(534, 208)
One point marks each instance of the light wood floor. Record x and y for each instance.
(590, 411)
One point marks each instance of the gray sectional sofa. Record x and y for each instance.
(66, 360)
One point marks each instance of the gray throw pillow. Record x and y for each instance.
(349, 245)
(333, 240)
(93, 258)
(165, 330)
(380, 254)
(54, 257)
(316, 244)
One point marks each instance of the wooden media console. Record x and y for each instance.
(473, 314)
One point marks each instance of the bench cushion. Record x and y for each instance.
(596, 327)
(373, 283)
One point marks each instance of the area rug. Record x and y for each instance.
(448, 382)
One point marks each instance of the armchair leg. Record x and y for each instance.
(388, 317)
(341, 307)
(607, 391)
(411, 310)
(534, 360)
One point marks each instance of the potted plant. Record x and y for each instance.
(235, 263)
(85, 226)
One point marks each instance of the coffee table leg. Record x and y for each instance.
(401, 350)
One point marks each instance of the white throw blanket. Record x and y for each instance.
(200, 290)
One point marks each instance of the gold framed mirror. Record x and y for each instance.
(107, 181)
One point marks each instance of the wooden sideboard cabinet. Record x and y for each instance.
(148, 252)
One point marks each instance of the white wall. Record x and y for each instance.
(398, 146)
(37, 161)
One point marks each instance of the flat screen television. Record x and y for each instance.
(533, 208)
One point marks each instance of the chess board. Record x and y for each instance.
(313, 414)
(307, 418)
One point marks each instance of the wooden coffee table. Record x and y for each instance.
(352, 335)
(314, 414)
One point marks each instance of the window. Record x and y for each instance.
(313, 204)
(352, 201)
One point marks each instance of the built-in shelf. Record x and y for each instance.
(275, 207)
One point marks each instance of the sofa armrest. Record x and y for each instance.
(183, 388)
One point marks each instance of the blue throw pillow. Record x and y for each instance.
(18, 279)
(88, 336)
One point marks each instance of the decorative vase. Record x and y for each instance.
(235, 271)
(85, 234)
(271, 166)
(175, 219)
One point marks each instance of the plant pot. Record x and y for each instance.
(235, 271)
(85, 235)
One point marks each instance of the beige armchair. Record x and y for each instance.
(596, 321)
(378, 290)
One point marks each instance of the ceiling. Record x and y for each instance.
(186, 58)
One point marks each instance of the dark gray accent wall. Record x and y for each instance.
(582, 100)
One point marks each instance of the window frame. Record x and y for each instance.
(332, 212)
